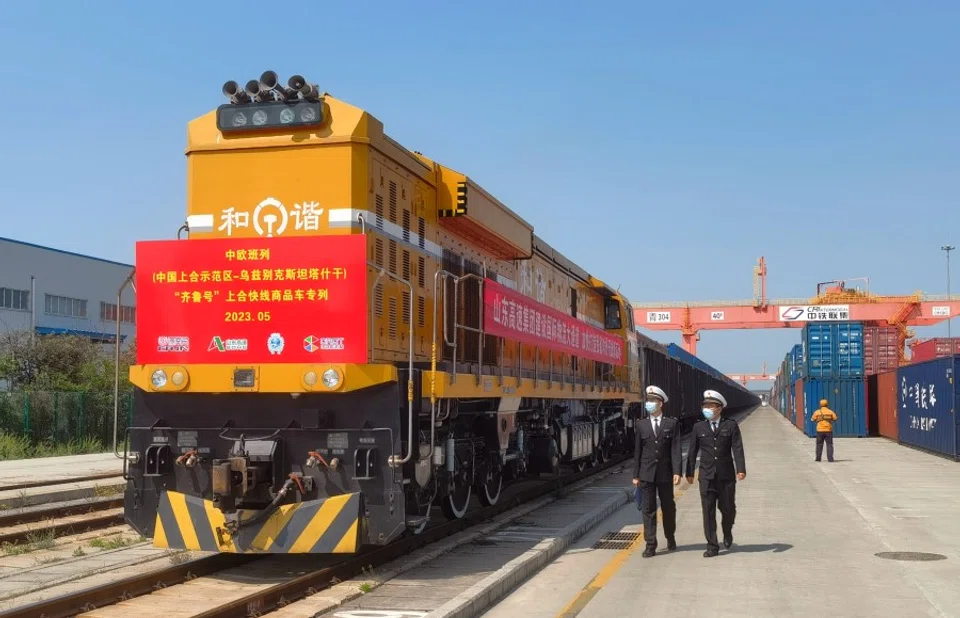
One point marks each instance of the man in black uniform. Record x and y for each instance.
(720, 445)
(657, 468)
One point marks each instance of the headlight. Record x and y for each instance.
(159, 378)
(331, 379)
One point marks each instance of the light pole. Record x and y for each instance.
(948, 249)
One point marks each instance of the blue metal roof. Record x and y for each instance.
(47, 330)
(71, 253)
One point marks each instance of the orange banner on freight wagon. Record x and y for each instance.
(516, 317)
(253, 300)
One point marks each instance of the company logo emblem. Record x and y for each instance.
(275, 343)
(331, 343)
(227, 345)
(173, 344)
(793, 313)
(311, 343)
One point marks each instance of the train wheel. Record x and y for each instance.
(455, 504)
(488, 492)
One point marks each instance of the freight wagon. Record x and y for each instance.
(684, 377)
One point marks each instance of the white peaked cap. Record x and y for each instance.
(714, 396)
(656, 392)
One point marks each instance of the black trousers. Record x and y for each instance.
(714, 493)
(667, 505)
(825, 436)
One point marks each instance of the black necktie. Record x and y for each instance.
(714, 425)
(656, 426)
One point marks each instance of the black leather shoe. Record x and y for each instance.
(671, 544)
(727, 540)
(648, 552)
(710, 553)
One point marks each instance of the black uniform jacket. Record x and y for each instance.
(717, 452)
(657, 457)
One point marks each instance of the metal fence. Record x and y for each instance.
(62, 417)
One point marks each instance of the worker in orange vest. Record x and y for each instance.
(824, 417)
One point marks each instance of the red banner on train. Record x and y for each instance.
(517, 317)
(299, 299)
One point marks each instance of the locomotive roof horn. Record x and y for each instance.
(307, 90)
(257, 92)
(271, 82)
(231, 90)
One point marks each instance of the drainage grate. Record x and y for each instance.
(616, 540)
(912, 556)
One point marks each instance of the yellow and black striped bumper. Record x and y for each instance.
(327, 526)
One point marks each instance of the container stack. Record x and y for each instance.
(833, 369)
(857, 369)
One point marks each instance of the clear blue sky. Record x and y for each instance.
(664, 148)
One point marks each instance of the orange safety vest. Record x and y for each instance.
(824, 418)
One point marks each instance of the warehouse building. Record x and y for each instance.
(58, 292)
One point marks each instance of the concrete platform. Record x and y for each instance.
(806, 541)
(63, 471)
(467, 572)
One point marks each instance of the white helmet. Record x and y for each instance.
(715, 397)
(656, 392)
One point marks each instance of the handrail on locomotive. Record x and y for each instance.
(133, 457)
(393, 461)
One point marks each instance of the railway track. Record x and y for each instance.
(51, 482)
(288, 588)
(62, 518)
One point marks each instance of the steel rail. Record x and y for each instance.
(295, 589)
(51, 482)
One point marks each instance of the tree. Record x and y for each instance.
(60, 362)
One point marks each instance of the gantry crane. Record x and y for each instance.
(834, 301)
(743, 378)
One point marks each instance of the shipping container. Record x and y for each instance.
(927, 394)
(886, 402)
(796, 355)
(796, 414)
(930, 349)
(845, 396)
(881, 349)
(832, 350)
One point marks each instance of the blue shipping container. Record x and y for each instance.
(927, 415)
(845, 396)
(797, 354)
(832, 350)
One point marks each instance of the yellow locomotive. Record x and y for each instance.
(351, 335)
